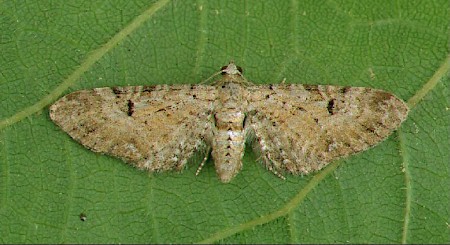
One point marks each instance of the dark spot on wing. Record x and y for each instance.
(330, 107)
(117, 90)
(345, 89)
(301, 108)
(149, 88)
(130, 108)
(312, 88)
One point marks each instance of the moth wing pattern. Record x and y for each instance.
(156, 128)
(297, 128)
(302, 128)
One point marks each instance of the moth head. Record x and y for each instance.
(231, 69)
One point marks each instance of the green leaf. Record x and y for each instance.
(396, 192)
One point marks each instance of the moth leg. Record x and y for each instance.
(274, 171)
(271, 164)
(208, 150)
(266, 147)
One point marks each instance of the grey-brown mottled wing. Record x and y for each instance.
(154, 128)
(301, 128)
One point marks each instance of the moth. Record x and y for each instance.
(294, 128)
